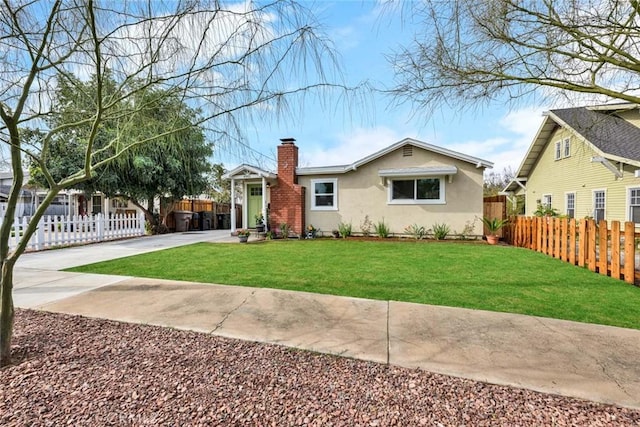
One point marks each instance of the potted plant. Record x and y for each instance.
(243, 235)
(493, 225)
(259, 222)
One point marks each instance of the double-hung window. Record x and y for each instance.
(634, 205)
(417, 191)
(571, 205)
(599, 202)
(558, 151)
(324, 194)
(566, 147)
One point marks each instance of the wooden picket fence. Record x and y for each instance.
(606, 250)
(55, 231)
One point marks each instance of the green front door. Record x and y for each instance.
(254, 203)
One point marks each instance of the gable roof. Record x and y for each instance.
(319, 170)
(600, 127)
(247, 171)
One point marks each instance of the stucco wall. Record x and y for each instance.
(362, 193)
(579, 175)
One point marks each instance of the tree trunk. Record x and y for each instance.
(6, 313)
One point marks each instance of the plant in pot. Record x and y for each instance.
(243, 235)
(493, 226)
(259, 222)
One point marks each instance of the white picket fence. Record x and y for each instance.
(55, 231)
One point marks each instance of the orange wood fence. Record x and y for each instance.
(606, 250)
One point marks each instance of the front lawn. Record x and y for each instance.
(471, 275)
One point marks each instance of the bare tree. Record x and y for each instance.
(228, 61)
(469, 52)
(495, 182)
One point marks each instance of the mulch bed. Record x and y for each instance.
(76, 371)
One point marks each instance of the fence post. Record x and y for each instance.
(572, 241)
(40, 234)
(629, 252)
(591, 244)
(100, 226)
(603, 250)
(563, 239)
(615, 249)
(556, 237)
(582, 244)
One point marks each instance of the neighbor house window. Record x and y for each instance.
(324, 194)
(634, 205)
(421, 190)
(571, 205)
(558, 154)
(566, 147)
(599, 201)
(546, 201)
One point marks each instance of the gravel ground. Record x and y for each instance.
(76, 371)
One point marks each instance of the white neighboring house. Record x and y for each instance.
(68, 202)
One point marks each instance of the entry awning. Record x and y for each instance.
(418, 172)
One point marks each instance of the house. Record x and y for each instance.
(584, 162)
(409, 182)
(68, 202)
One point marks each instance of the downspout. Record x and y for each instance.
(264, 201)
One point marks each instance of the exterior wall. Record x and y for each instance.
(287, 197)
(579, 175)
(362, 192)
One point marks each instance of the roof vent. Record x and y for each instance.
(407, 151)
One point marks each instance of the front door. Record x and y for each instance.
(254, 203)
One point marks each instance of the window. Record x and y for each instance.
(421, 191)
(571, 205)
(567, 147)
(546, 201)
(634, 205)
(325, 194)
(255, 191)
(558, 151)
(96, 202)
(599, 201)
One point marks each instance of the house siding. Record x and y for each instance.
(362, 193)
(579, 175)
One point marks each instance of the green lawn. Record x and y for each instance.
(472, 275)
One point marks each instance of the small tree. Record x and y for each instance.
(221, 61)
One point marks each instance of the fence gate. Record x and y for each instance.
(494, 207)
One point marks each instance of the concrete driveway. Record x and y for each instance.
(580, 360)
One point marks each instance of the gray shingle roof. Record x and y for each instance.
(604, 129)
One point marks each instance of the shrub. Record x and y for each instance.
(468, 229)
(344, 229)
(284, 229)
(416, 231)
(366, 226)
(382, 229)
(440, 231)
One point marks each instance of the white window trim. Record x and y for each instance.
(628, 201)
(335, 194)
(544, 200)
(593, 201)
(557, 153)
(566, 203)
(566, 143)
(440, 201)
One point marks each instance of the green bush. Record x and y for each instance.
(416, 231)
(440, 231)
(382, 229)
(344, 229)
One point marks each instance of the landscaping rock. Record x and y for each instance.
(77, 371)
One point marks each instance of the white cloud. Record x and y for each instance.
(350, 147)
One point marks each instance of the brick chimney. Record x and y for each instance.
(287, 197)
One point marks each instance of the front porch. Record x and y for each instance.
(255, 196)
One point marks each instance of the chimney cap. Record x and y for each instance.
(288, 140)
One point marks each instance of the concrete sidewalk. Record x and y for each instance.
(588, 361)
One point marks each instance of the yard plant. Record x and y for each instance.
(457, 274)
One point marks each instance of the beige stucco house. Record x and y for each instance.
(409, 182)
(584, 162)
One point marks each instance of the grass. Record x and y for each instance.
(496, 278)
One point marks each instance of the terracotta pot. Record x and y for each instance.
(493, 239)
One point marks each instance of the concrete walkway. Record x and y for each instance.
(580, 360)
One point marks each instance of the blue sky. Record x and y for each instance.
(362, 37)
